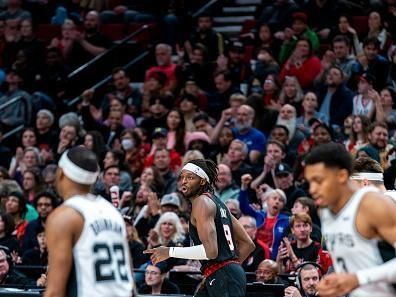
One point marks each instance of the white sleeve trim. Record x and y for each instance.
(194, 252)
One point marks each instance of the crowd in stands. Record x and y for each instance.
(303, 75)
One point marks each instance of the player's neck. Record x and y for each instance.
(74, 191)
(345, 195)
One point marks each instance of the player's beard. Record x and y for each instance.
(289, 124)
(192, 192)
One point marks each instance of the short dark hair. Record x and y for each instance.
(342, 38)
(9, 225)
(377, 124)
(277, 143)
(372, 41)
(46, 194)
(281, 127)
(333, 155)
(201, 116)
(226, 74)
(83, 158)
(110, 167)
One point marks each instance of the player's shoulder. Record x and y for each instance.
(64, 217)
(377, 203)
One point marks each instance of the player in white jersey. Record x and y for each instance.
(356, 225)
(86, 236)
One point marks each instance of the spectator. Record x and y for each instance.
(159, 138)
(93, 141)
(136, 246)
(156, 281)
(199, 141)
(261, 251)
(268, 272)
(303, 248)
(344, 28)
(189, 108)
(235, 159)
(378, 30)
(309, 277)
(168, 231)
(279, 13)
(20, 111)
(133, 160)
(344, 59)
(265, 65)
(373, 63)
(302, 64)
(45, 203)
(378, 139)
(240, 69)
(335, 99)
(177, 135)
(89, 44)
(291, 93)
(360, 126)
(284, 180)
(7, 239)
(309, 106)
(205, 34)
(111, 177)
(233, 207)
(14, 11)
(307, 205)
(159, 107)
(162, 161)
(163, 56)
(299, 31)
(202, 123)
(16, 207)
(37, 256)
(272, 223)
(65, 43)
(45, 131)
(363, 102)
(225, 187)
(385, 111)
(219, 151)
(170, 203)
(32, 183)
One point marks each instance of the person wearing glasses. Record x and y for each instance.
(156, 282)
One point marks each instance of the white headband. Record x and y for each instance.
(75, 173)
(368, 176)
(197, 170)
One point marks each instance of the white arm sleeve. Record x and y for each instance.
(382, 273)
(196, 252)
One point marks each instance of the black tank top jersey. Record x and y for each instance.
(225, 238)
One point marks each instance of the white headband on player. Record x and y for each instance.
(197, 170)
(368, 176)
(75, 173)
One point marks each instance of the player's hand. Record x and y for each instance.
(337, 284)
(158, 254)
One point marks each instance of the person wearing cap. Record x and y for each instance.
(156, 282)
(198, 141)
(170, 202)
(240, 70)
(284, 180)
(363, 102)
(159, 138)
(93, 232)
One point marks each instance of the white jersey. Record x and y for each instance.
(101, 255)
(349, 250)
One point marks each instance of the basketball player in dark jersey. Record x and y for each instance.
(220, 242)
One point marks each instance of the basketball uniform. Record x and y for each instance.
(230, 279)
(101, 259)
(352, 252)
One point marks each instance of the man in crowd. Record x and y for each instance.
(225, 187)
(309, 277)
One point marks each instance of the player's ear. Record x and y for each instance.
(343, 176)
(202, 182)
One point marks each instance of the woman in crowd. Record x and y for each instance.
(385, 110)
(24, 159)
(309, 106)
(291, 93)
(32, 183)
(167, 232)
(302, 64)
(360, 133)
(7, 227)
(176, 131)
(93, 141)
(134, 153)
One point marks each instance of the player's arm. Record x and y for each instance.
(204, 212)
(63, 228)
(244, 243)
(380, 214)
